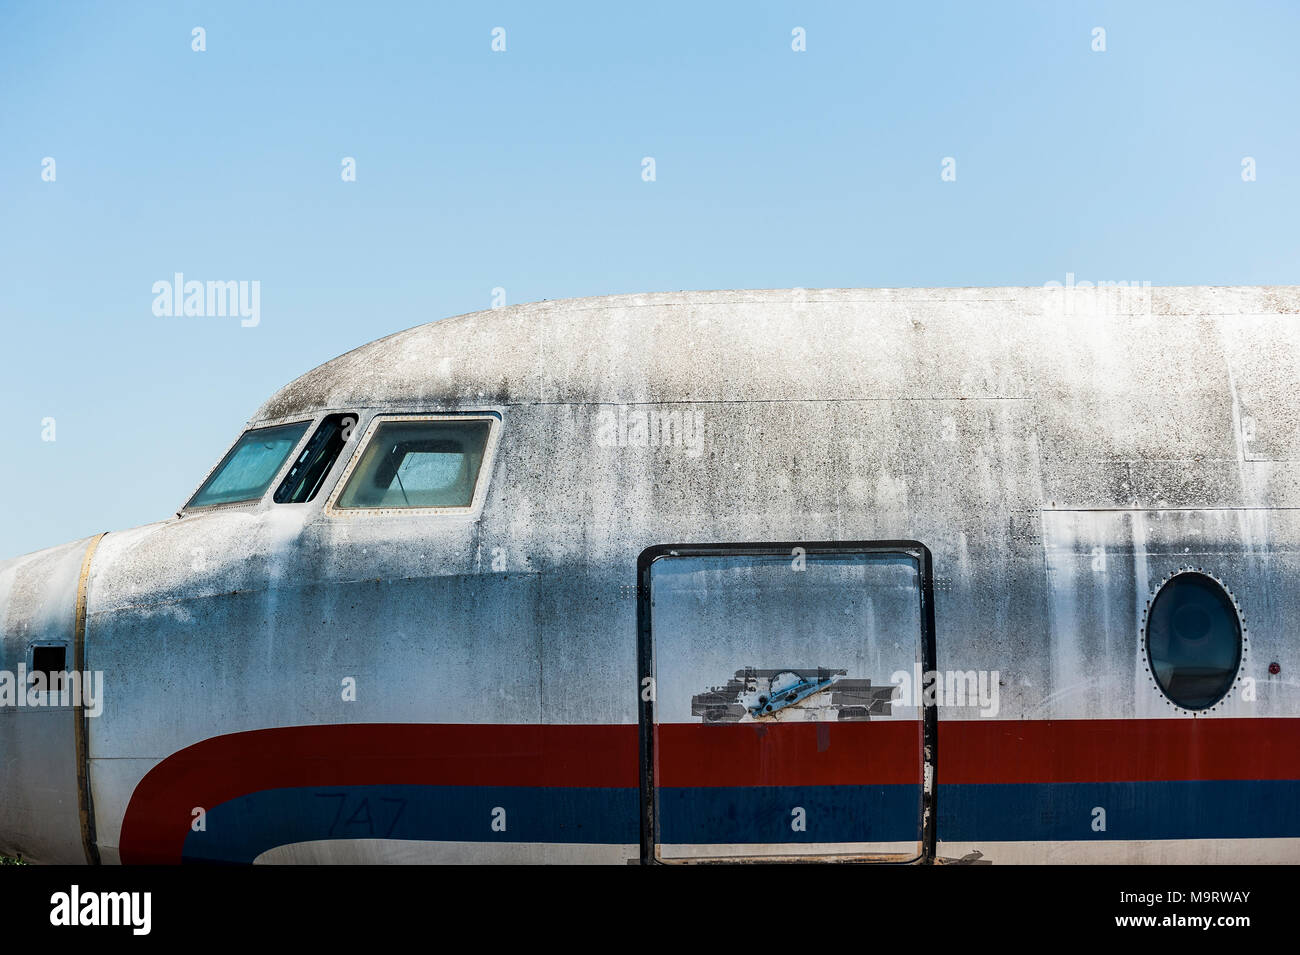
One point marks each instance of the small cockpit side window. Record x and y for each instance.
(430, 463)
(248, 468)
(318, 456)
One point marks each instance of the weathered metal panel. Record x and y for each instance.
(38, 788)
(1013, 431)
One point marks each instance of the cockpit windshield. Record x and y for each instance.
(247, 471)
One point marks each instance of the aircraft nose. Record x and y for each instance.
(39, 817)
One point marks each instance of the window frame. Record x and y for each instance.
(1144, 642)
(188, 508)
(342, 455)
(472, 510)
(647, 720)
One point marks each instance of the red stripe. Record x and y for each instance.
(748, 754)
(979, 751)
(785, 754)
(1087, 751)
(432, 754)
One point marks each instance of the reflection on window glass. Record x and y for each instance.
(1194, 641)
(248, 469)
(308, 472)
(419, 464)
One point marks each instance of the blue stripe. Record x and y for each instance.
(240, 830)
(1059, 812)
(768, 814)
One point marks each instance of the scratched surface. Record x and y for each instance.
(1057, 462)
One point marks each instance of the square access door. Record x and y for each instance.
(780, 708)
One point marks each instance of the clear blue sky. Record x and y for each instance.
(522, 169)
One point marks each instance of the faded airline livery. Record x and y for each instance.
(929, 575)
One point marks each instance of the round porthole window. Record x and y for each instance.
(1194, 640)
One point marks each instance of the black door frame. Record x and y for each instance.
(645, 665)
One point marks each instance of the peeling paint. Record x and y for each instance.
(825, 696)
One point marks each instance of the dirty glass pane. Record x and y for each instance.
(783, 727)
(1194, 641)
(419, 464)
(252, 463)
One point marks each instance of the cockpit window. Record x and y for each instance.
(429, 462)
(309, 471)
(246, 472)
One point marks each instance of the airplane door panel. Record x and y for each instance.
(773, 722)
